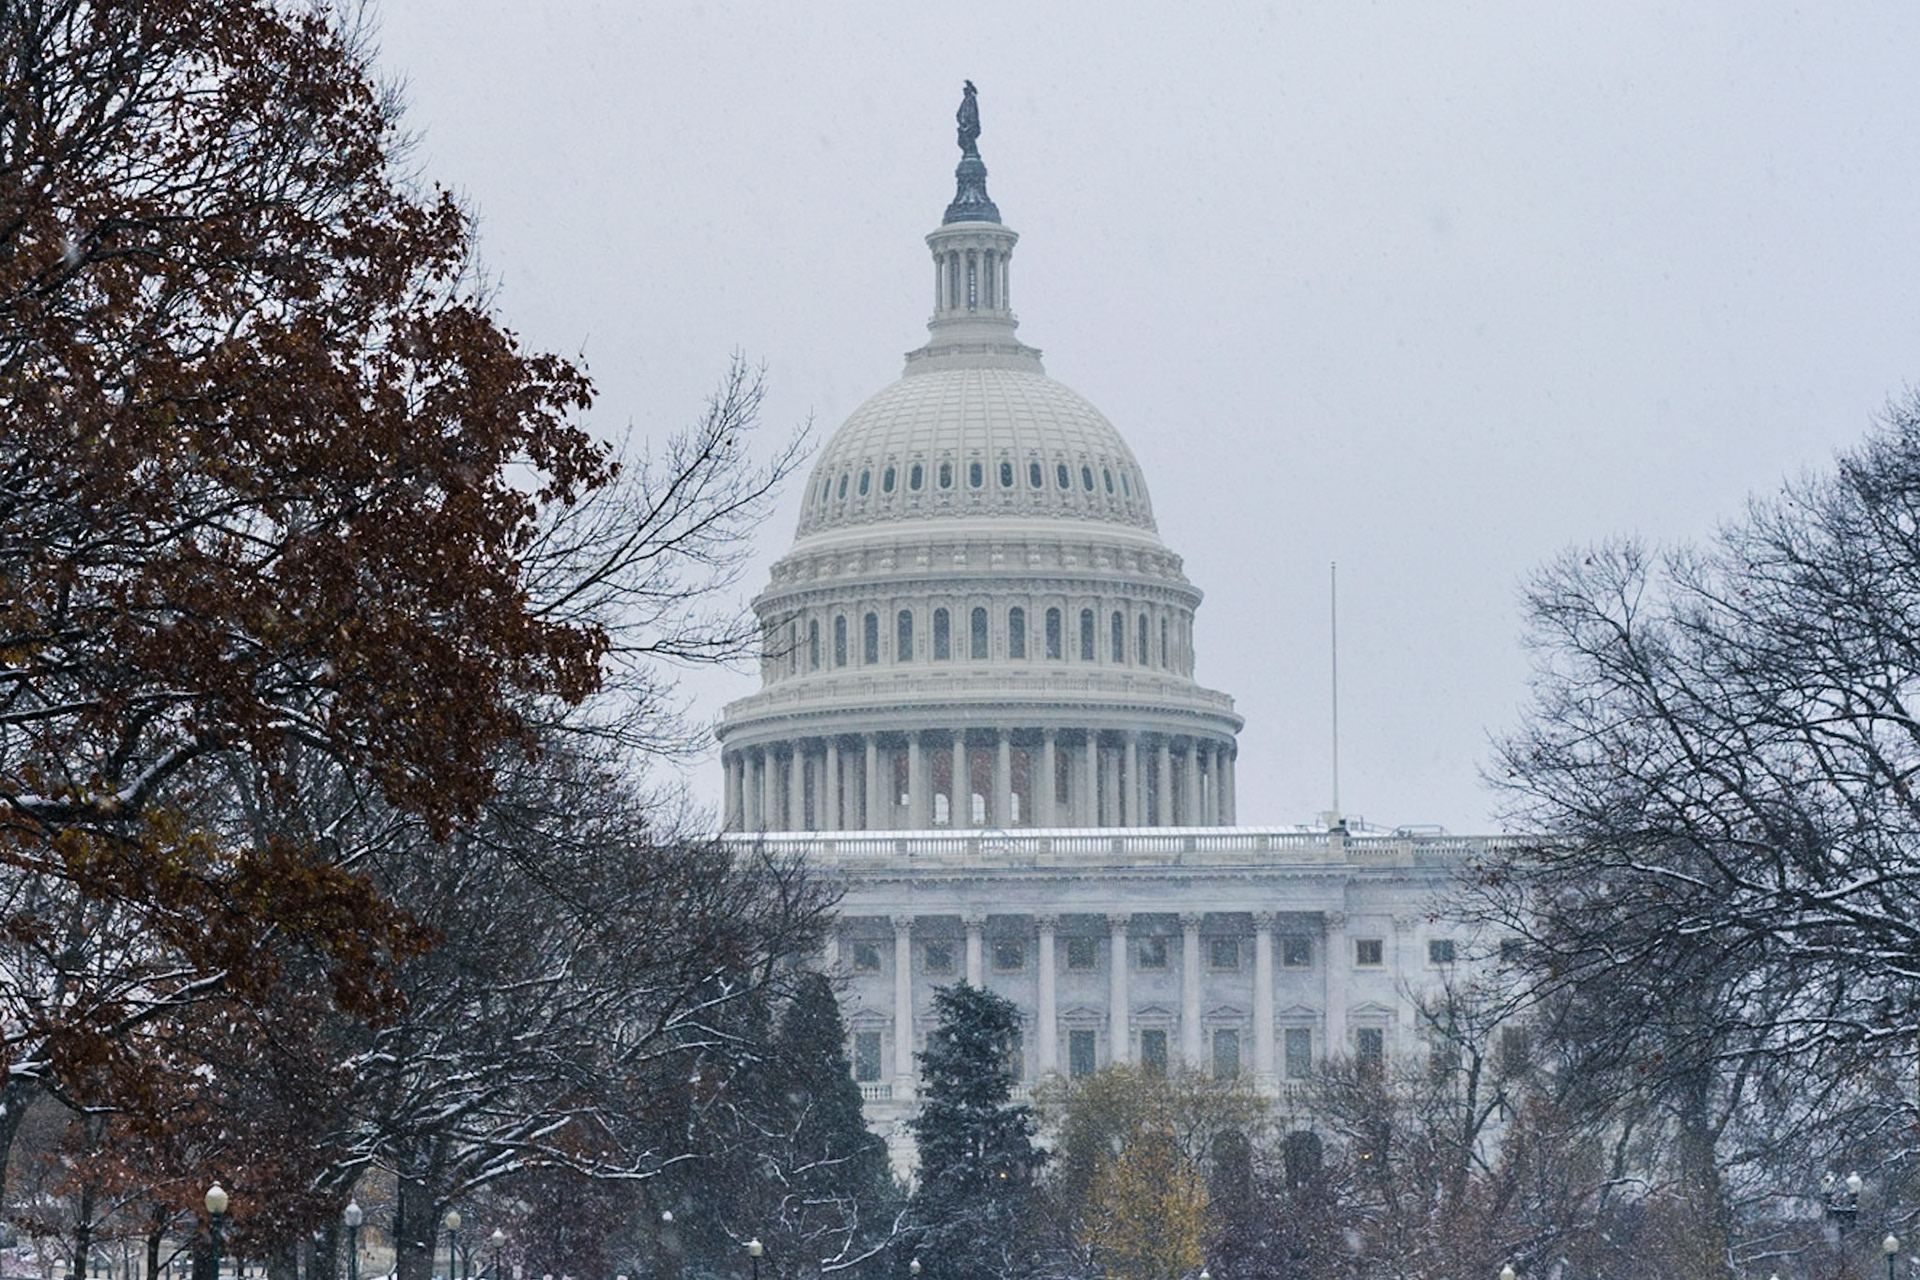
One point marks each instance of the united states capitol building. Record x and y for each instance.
(979, 713)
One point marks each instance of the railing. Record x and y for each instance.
(1000, 682)
(876, 1093)
(1180, 846)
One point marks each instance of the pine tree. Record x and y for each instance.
(975, 1213)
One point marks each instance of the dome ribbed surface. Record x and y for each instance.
(976, 429)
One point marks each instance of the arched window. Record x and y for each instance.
(1125, 488)
(886, 480)
(1086, 635)
(813, 644)
(942, 635)
(1163, 642)
(1086, 479)
(843, 484)
(977, 648)
(1016, 632)
(866, 478)
(1006, 474)
(976, 475)
(914, 476)
(1119, 647)
(793, 649)
(1106, 474)
(1140, 648)
(946, 475)
(840, 641)
(1060, 475)
(1054, 641)
(826, 490)
(870, 639)
(1034, 478)
(903, 636)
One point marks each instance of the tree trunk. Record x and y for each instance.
(283, 1263)
(416, 1228)
(326, 1264)
(15, 1099)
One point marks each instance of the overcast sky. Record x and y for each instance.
(1431, 290)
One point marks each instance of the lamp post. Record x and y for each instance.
(498, 1240)
(913, 1268)
(216, 1213)
(1506, 1273)
(1843, 1199)
(754, 1250)
(452, 1223)
(352, 1217)
(1891, 1247)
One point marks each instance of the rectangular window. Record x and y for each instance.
(1083, 954)
(1516, 1050)
(866, 957)
(978, 636)
(938, 957)
(1226, 1054)
(1053, 634)
(903, 636)
(1016, 632)
(1223, 953)
(813, 645)
(1140, 649)
(1370, 1048)
(1017, 1055)
(1119, 637)
(870, 639)
(1298, 1059)
(1296, 953)
(1153, 953)
(1080, 1054)
(840, 641)
(866, 1056)
(1086, 635)
(942, 635)
(1009, 955)
(1440, 951)
(1369, 953)
(1153, 1052)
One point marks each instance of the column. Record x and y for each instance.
(976, 949)
(1046, 806)
(1229, 806)
(1191, 817)
(1047, 1014)
(1213, 784)
(1263, 996)
(902, 1005)
(1090, 802)
(919, 784)
(1190, 1039)
(1117, 998)
(830, 951)
(769, 790)
(1337, 952)
(796, 774)
(960, 807)
(872, 816)
(1002, 815)
(830, 811)
(730, 800)
(1163, 779)
(1131, 790)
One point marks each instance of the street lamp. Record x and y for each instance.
(498, 1240)
(452, 1223)
(1506, 1272)
(913, 1268)
(352, 1216)
(754, 1250)
(216, 1213)
(1843, 1198)
(1891, 1247)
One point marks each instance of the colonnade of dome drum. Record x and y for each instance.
(1042, 777)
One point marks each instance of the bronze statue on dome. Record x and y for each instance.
(969, 119)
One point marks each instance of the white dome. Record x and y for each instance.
(970, 441)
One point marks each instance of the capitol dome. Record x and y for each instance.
(977, 624)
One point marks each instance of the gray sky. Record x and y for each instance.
(1432, 290)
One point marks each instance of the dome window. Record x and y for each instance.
(867, 476)
(1163, 642)
(826, 490)
(1033, 475)
(1086, 481)
(1053, 634)
(843, 485)
(976, 475)
(1106, 474)
(942, 635)
(915, 475)
(813, 645)
(1016, 632)
(840, 641)
(1140, 649)
(946, 475)
(1118, 625)
(1125, 488)
(977, 649)
(903, 636)
(1086, 635)
(1006, 474)
(886, 480)
(1060, 475)
(870, 638)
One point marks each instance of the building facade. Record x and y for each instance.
(979, 713)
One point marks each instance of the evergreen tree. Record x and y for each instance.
(975, 1213)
